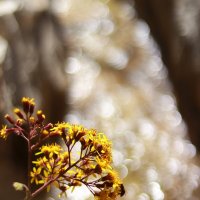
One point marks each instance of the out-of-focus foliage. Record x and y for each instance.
(118, 84)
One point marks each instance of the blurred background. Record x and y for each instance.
(129, 68)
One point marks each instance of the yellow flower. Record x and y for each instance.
(47, 175)
(103, 146)
(50, 150)
(45, 132)
(40, 162)
(109, 193)
(104, 195)
(113, 177)
(64, 157)
(60, 127)
(28, 100)
(91, 133)
(3, 132)
(35, 176)
(103, 163)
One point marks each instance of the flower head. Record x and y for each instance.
(35, 176)
(50, 150)
(59, 128)
(3, 132)
(103, 146)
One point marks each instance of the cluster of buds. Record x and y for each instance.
(84, 158)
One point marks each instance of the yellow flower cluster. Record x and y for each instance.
(65, 167)
(92, 167)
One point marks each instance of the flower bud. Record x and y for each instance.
(98, 169)
(79, 135)
(18, 112)
(10, 119)
(83, 143)
(18, 186)
(40, 116)
(48, 126)
(31, 108)
(28, 105)
(19, 122)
